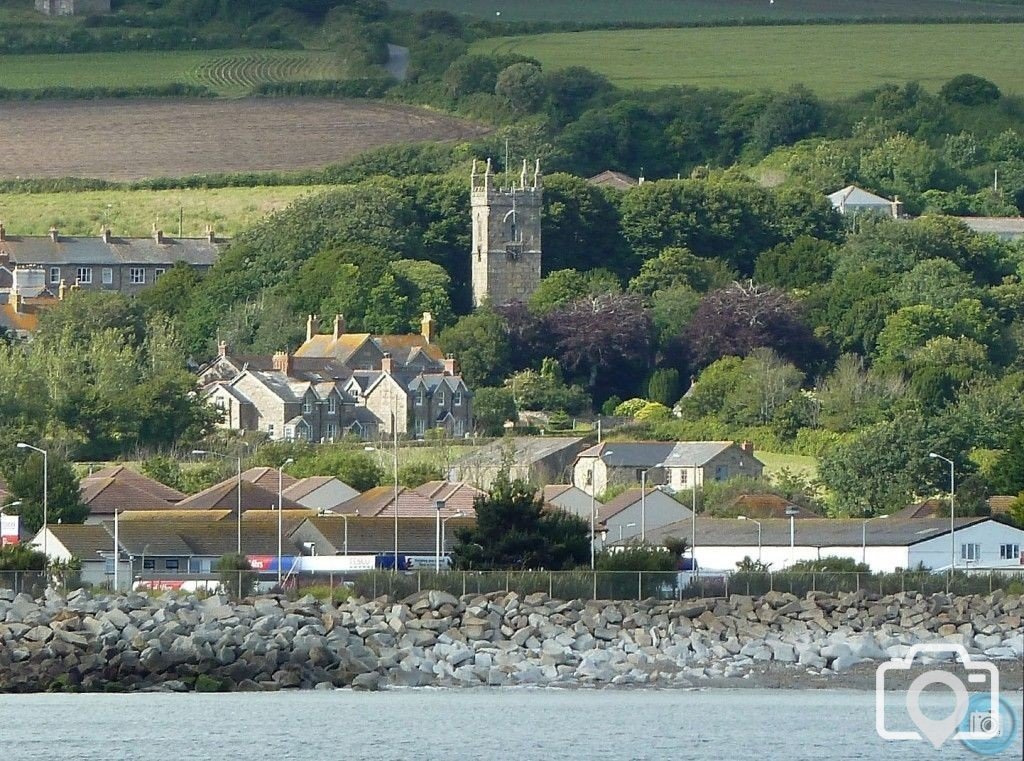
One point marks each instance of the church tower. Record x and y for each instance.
(506, 236)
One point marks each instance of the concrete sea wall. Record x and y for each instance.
(133, 642)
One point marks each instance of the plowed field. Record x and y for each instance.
(135, 139)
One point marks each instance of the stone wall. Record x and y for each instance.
(134, 642)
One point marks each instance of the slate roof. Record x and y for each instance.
(301, 487)
(554, 491)
(612, 179)
(176, 516)
(206, 538)
(266, 478)
(767, 506)
(84, 542)
(1007, 227)
(851, 195)
(403, 348)
(104, 496)
(629, 498)
(72, 250)
(376, 535)
(525, 450)
(124, 473)
(379, 502)
(810, 532)
(224, 496)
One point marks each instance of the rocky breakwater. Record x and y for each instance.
(134, 642)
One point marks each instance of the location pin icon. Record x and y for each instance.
(937, 731)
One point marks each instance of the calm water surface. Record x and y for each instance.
(423, 725)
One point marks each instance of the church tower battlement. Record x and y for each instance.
(506, 254)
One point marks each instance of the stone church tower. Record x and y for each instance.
(506, 236)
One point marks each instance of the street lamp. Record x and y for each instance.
(46, 485)
(394, 431)
(864, 537)
(745, 518)
(439, 506)
(643, 500)
(952, 512)
(628, 525)
(280, 513)
(444, 522)
(239, 488)
(593, 506)
(792, 511)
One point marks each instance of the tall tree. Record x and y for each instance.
(25, 482)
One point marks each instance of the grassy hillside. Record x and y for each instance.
(227, 72)
(832, 60)
(133, 212)
(704, 11)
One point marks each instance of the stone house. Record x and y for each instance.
(105, 262)
(73, 7)
(342, 384)
(539, 460)
(676, 465)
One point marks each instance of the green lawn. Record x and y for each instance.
(133, 212)
(832, 60)
(773, 463)
(228, 72)
(692, 11)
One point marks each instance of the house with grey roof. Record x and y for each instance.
(853, 201)
(342, 384)
(1004, 228)
(539, 460)
(105, 262)
(885, 545)
(92, 545)
(674, 464)
(570, 498)
(635, 513)
(320, 492)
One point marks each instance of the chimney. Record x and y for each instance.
(897, 208)
(283, 362)
(3, 233)
(222, 349)
(339, 326)
(427, 327)
(105, 234)
(312, 326)
(211, 236)
(451, 365)
(747, 447)
(387, 364)
(54, 235)
(158, 235)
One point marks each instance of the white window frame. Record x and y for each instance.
(332, 405)
(330, 431)
(970, 551)
(84, 275)
(289, 433)
(421, 426)
(419, 397)
(457, 397)
(440, 396)
(684, 476)
(54, 275)
(108, 276)
(270, 430)
(137, 275)
(158, 272)
(307, 406)
(1009, 551)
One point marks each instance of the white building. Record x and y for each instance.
(884, 544)
(92, 545)
(852, 200)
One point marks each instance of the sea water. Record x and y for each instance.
(428, 724)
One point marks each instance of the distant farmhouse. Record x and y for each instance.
(852, 200)
(39, 264)
(73, 7)
(341, 384)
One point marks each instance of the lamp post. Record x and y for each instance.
(394, 431)
(643, 501)
(792, 511)
(439, 506)
(444, 522)
(952, 511)
(280, 513)
(344, 517)
(628, 525)
(864, 537)
(693, 520)
(593, 505)
(745, 518)
(117, 549)
(46, 486)
(238, 487)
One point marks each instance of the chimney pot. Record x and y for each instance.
(451, 365)
(222, 349)
(158, 236)
(3, 233)
(283, 362)
(747, 447)
(339, 326)
(312, 327)
(211, 236)
(54, 235)
(387, 364)
(105, 234)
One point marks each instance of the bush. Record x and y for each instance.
(236, 575)
(418, 473)
(969, 90)
(630, 407)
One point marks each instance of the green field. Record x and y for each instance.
(133, 212)
(832, 60)
(227, 72)
(799, 464)
(709, 11)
